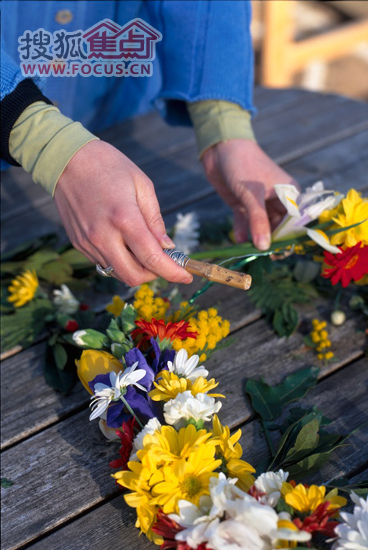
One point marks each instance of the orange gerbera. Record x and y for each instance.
(351, 264)
(161, 331)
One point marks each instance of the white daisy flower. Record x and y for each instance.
(103, 394)
(187, 368)
(64, 301)
(353, 532)
(270, 484)
(186, 234)
(186, 406)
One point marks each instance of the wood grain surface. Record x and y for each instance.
(62, 497)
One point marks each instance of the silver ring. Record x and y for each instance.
(105, 272)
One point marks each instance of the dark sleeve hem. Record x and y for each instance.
(12, 106)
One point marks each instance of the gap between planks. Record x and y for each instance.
(120, 529)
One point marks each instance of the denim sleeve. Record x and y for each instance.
(206, 53)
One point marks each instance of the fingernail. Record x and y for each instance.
(187, 280)
(263, 242)
(168, 242)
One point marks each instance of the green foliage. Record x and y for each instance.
(127, 319)
(24, 325)
(276, 297)
(6, 483)
(59, 370)
(268, 401)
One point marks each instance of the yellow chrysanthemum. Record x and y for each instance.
(186, 479)
(169, 445)
(23, 288)
(137, 480)
(231, 451)
(307, 499)
(148, 306)
(292, 530)
(116, 306)
(170, 384)
(353, 209)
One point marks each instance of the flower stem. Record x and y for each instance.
(131, 411)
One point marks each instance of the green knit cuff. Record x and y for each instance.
(43, 141)
(215, 121)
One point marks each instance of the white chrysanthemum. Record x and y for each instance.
(187, 368)
(104, 394)
(196, 520)
(64, 301)
(186, 234)
(186, 406)
(152, 425)
(353, 532)
(270, 484)
(223, 490)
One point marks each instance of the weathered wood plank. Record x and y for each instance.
(35, 405)
(111, 525)
(57, 454)
(296, 134)
(339, 162)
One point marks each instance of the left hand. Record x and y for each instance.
(245, 178)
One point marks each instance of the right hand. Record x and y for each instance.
(111, 214)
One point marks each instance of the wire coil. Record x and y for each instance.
(179, 258)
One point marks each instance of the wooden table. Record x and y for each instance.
(63, 497)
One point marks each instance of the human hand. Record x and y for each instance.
(245, 177)
(111, 214)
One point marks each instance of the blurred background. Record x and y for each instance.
(317, 45)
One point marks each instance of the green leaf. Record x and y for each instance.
(24, 325)
(76, 259)
(37, 260)
(128, 317)
(116, 336)
(6, 483)
(56, 272)
(305, 271)
(297, 384)
(283, 507)
(285, 320)
(60, 356)
(308, 465)
(61, 380)
(264, 399)
(306, 441)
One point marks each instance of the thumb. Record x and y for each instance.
(252, 197)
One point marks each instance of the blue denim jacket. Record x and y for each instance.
(205, 53)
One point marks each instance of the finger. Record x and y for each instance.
(127, 268)
(147, 250)
(150, 209)
(240, 225)
(252, 197)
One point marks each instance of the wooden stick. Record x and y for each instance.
(219, 274)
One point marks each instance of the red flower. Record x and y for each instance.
(168, 528)
(158, 329)
(83, 307)
(351, 264)
(126, 435)
(319, 521)
(71, 325)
